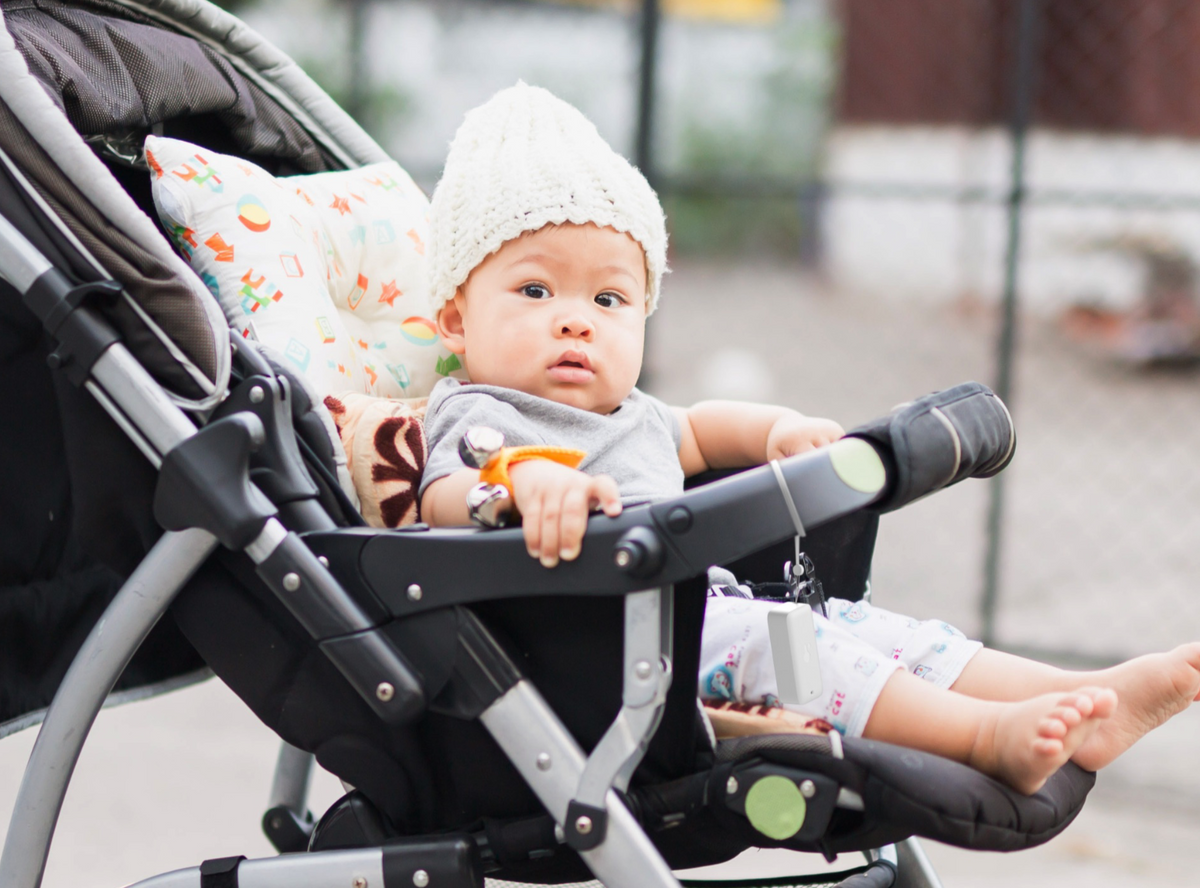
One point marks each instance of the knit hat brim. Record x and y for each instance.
(524, 160)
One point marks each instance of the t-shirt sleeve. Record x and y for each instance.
(667, 416)
(448, 419)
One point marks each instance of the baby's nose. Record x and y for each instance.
(576, 327)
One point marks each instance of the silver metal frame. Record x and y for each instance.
(552, 763)
(108, 648)
(647, 678)
(914, 868)
(293, 776)
(321, 869)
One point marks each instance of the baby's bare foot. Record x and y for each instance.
(1023, 743)
(1151, 689)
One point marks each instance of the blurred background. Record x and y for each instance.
(872, 199)
(869, 200)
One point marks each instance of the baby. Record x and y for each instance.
(547, 250)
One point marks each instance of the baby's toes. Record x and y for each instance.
(1082, 703)
(1048, 746)
(1071, 715)
(1052, 727)
(1104, 703)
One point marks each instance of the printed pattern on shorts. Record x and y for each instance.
(859, 646)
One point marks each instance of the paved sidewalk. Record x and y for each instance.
(169, 782)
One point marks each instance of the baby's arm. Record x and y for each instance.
(732, 434)
(554, 502)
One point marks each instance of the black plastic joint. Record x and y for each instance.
(816, 795)
(286, 830)
(879, 874)
(482, 663)
(277, 467)
(220, 872)
(586, 826)
(82, 336)
(639, 553)
(450, 861)
(314, 596)
(205, 482)
(379, 673)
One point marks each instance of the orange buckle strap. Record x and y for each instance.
(495, 471)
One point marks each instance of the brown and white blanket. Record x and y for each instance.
(384, 440)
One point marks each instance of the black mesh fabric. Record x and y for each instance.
(173, 306)
(116, 75)
(744, 747)
(112, 73)
(74, 520)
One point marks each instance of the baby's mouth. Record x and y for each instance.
(572, 367)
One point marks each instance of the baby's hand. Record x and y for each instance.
(795, 433)
(554, 502)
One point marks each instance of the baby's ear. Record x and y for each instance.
(450, 325)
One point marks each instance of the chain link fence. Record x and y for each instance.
(1034, 163)
(871, 199)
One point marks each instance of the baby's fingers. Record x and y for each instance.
(550, 533)
(531, 526)
(573, 522)
(605, 494)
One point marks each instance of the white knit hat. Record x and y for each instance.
(523, 160)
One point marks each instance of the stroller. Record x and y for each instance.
(172, 495)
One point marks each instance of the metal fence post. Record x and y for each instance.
(643, 140)
(358, 93)
(643, 146)
(1022, 109)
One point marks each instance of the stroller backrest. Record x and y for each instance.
(76, 493)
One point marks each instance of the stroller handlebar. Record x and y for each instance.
(419, 568)
(921, 447)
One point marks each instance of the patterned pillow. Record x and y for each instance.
(327, 269)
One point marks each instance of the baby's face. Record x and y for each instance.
(559, 313)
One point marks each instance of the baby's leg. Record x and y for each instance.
(930, 649)
(736, 664)
(1150, 690)
(1021, 743)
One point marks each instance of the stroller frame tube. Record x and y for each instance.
(112, 642)
(293, 776)
(647, 679)
(141, 401)
(552, 763)
(20, 261)
(913, 867)
(315, 870)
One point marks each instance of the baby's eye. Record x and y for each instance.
(609, 300)
(535, 291)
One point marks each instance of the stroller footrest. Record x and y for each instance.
(780, 802)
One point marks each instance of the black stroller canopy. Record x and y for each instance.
(118, 74)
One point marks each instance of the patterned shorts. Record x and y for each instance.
(859, 646)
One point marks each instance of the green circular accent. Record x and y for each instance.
(858, 465)
(775, 807)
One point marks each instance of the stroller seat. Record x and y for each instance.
(494, 717)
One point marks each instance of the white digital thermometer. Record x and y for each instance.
(794, 652)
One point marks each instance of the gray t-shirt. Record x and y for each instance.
(637, 444)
